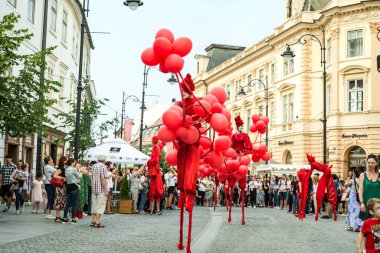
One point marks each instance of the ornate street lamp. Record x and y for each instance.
(172, 80)
(322, 43)
(134, 99)
(133, 4)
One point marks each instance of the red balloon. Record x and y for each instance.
(245, 160)
(219, 122)
(266, 157)
(216, 108)
(165, 134)
(255, 118)
(222, 143)
(202, 107)
(253, 128)
(192, 135)
(211, 99)
(216, 159)
(174, 63)
(162, 47)
(177, 109)
(205, 142)
(149, 58)
(172, 119)
(262, 149)
(181, 133)
(219, 93)
(203, 131)
(227, 114)
(163, 68)
(243, 169)
(171, 157)
(201, 152)
(266, 120)
(165, 33)
(255, 158)
(229, 153)
(188, 121)
(182, 46)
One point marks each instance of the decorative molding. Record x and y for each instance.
(286, 86)
(354, 69)
(374, 26)
(335, 33)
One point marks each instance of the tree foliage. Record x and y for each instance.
(24, 91)
(125, 193)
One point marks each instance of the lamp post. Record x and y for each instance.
(135, 99)
(252, 83)
(378, 57)
(133, 4)
(288, 54)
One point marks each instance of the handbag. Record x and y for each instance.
(57, 182)
(357, 193)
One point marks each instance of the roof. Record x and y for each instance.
(315, 5)
(219, 53)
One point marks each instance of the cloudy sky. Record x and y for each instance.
(116, 65)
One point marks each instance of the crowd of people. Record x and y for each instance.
(88, 189)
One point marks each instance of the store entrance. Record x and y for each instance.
(357, 159)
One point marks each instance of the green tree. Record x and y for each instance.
(24, 97)
(125, 192)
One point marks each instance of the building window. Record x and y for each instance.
(261, 110)
(287, 108)
(288, 159)
(355, 95)
(288, 66)
(328, 98)
(12, 2)
(61, 91)
(355, 43)
(74, 42)
(272, 72)
(228, 92)
(237, 87)
(64, 26)
(53, 15)
(328, 51)
(248, 119)
(249, 83)
(272, 113)
(31, 8)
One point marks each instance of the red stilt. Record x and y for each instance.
(215, 196)
(188, 247)
(225, 199)
(242, 207)
(229, 212)
(182, 206)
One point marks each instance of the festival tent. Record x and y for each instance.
(117, 151)
(279, 169)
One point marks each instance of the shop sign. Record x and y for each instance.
(352, 136)
(284, 143)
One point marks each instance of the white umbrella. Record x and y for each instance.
(116, 150)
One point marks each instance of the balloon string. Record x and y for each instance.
(257, 136)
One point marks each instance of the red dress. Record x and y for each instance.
(241, 142)
(156, 187)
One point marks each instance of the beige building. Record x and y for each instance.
(295, 87)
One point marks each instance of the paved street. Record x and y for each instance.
(267, 230)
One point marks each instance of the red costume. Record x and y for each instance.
(303, 176)
(156, 187)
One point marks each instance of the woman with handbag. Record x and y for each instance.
(59, 180)
(353, 221)
(72, 190)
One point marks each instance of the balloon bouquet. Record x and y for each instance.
(187, 123)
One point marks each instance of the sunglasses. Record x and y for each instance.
(372, 156)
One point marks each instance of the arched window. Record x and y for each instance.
(288, 158)
(357, 158)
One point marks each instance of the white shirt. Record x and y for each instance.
(251, 185)
(202, 187)
(109, 181)
(282, 186)
(171, 180)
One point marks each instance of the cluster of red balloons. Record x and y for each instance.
(167, 52)
(259, 124)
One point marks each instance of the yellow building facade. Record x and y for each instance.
(295, 87)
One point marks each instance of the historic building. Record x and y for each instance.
(295, 85)
(63, 31)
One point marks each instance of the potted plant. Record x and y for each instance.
(125, 199)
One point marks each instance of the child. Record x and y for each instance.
(38, 192)
(371, 229)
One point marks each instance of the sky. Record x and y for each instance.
(116, 65)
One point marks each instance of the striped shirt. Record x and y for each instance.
(6, 171)
(99, 172)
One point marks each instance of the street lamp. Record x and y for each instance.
(172, 80)
(134, 99)
(252, 83)
(289, 54)
(133, 4)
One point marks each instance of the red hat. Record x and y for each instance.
(238, 121)
(187, 84)
(154, 139)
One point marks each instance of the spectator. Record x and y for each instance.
(110, 177)
(271, 191)
(60, 192)
(49, 171)
(18, 179)
(38, 192)
(5, 181)
(99, 191)
(370, 227)
(72, 190)
(28, 185)
(143, 192)
(266, 184)
(314, 191)
(260, 192)
(201, 191)
(369, 185)
(134, 185)
(294, 195)
(252, 191)
(353, 221)
(171, 175)
(275, 192)
(282, 191)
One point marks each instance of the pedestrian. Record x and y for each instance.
(72, 190)
(60, 191)
(315, 180)
(266, 191)
(370, 229)
(252, 191)
(369, 185)
(110, 177)
(294, 195)
(18, 179)
(353, 221)
(201, 191)
(170, 184)
(49, 171)
(271, 191)
(260, 192)
(282, 191)
(275, 192)
(134, 180)
(143, 192)
(99, 191)
(38, 191)
(28, 185)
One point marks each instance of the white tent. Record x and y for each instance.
(118, 151)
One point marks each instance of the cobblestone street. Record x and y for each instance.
(267, 230)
